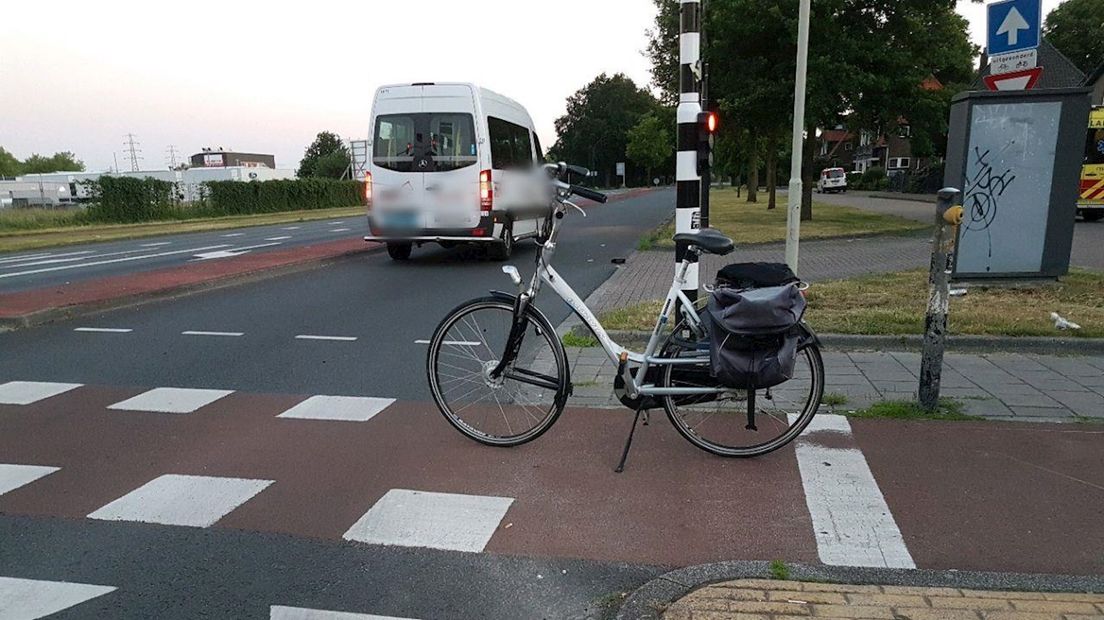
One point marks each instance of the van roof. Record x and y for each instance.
(484, 93)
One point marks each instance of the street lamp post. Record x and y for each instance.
(793, 212)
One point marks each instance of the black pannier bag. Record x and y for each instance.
(754, 334)
(755, 275)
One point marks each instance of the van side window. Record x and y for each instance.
(511, 148)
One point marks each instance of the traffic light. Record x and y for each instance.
(707, 131)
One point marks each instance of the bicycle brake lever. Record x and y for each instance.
(577, 207)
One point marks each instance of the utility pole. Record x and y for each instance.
(172, 157)
(793, 211)
(133, 151)
(688, 181)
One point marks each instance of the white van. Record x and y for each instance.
(832, 180)
(452, 163)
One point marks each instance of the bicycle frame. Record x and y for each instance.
(618, 354)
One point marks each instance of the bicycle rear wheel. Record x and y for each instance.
(515, 408)
(721, 425)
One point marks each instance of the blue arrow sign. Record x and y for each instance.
(1014, 25)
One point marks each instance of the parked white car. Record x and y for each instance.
(452, 163)
(832, 180)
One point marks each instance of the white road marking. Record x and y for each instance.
(337, 223)
(28, 392)
(156, 245)
(455, 343)
(194, 501)
(19, 259)
(171, 400)
(333, 338)
(285, 237)
(24, 599)
(234, 235)
(231, 252)
(104, 330)
(434, 520)
(200, 333)
(279, 612)
(14, 476)
(346, 408)
(337, 230)
(111, 261)
(851, 520)
(292, 228)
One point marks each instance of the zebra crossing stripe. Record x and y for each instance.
(193, 501)
(30, 392)
(14, 476)
(33, 598)
(432, 520)
(346, 408)
(171, 400)
(279, 612)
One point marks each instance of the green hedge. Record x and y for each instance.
(237, 198)
(127, 199)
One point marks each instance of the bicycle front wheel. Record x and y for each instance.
(514, 408)
(722, 424)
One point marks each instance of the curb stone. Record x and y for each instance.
(912, 343)
(649, 601)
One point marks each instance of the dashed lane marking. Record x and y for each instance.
(433, 520)
(156, 245)
(332, 338)
(346, 408)
(14, 476)
(192, 501)
(279, 612)
(28, 392)
(202, 333)
(292, 228)
(24, 599)
(110, 261)
(233, 235)
(340, 230)
(852, 523)
(104, 330)
(171, 400)
(283, 238)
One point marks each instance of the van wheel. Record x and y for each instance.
(504, 249)
(399, 251)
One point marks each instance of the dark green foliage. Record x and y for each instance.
(1076, 28)
(64, 161)
(874, 179)
(326, 157)
(127, 200)
(235, 198)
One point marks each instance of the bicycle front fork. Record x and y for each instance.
(517, 334)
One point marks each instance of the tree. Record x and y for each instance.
(1076, 28)
(594, 131)
(650, 143)
(64, 161)
(868, 61)
(327, 156)
(10, 166)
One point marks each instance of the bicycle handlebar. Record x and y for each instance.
(561, 169)
(589, 194)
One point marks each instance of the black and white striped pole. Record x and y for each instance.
(688, 180)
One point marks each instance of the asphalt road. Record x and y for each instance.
(386, 306)
(32, 269)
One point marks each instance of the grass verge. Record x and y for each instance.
(571, 339)
(895, 304)
(911, 410)
(17, 234)
(749, 223)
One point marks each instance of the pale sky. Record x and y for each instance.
(267, 76)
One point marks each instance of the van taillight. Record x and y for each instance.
(486, 192)
(368, 189)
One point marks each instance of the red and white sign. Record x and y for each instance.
(1016, 80)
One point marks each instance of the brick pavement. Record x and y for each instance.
(759, 599)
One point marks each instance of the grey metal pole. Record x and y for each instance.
(793, 210)
(948, 215)
(687, 181)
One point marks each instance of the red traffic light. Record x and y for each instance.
(711, 122)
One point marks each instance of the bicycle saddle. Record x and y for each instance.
(708, 240)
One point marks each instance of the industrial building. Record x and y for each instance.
(220, 158)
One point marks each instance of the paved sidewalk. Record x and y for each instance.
(755, 599)
(1000, 386)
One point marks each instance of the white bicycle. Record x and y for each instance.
(499, 373)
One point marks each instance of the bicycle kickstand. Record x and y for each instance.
(628, 442)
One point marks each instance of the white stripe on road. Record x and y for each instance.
(278, 238)
(455, 343)
(337, 230)
(194, 501)
(851, 520)
(279, 612)
(115, 260)
(234, 235)
(14, 476)
(156, 245)
(171, 400)
(104, 330)
(433, 520)
(200, 333)
(28, 392)
(345, 408)
(333, 338)
(291, 228)
(17, 259)
(33, 598)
